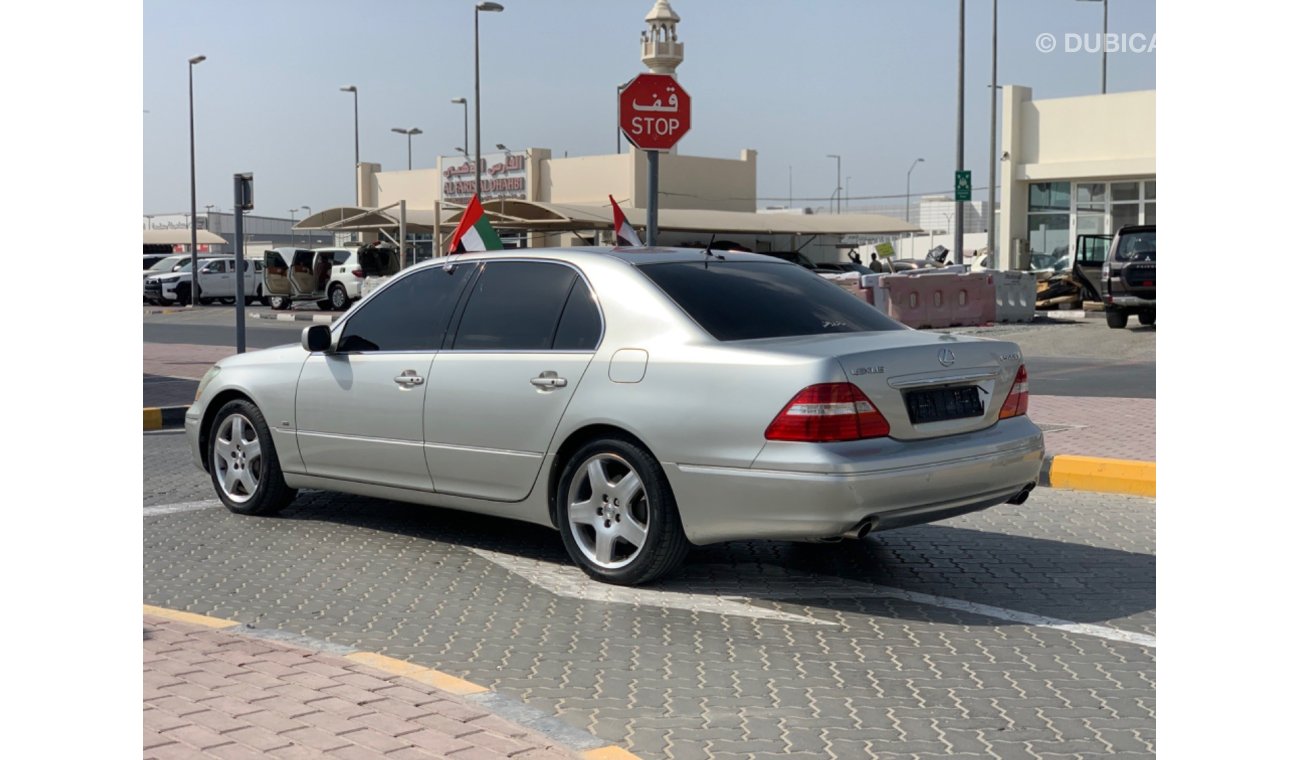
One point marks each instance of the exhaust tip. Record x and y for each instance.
(1023, 496)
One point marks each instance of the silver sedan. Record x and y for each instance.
(638, 400)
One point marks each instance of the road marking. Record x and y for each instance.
(189, 617)
(736, 596)
(436, 678)
(188, 506)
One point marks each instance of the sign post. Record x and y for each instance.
(654, 112)
(243, 202)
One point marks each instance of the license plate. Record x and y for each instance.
(942, 404)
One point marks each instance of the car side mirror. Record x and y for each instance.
(316, 338)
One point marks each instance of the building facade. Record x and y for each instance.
(257, 229)
(1073, 166)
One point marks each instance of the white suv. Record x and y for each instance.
(216, 278)
(329, 276)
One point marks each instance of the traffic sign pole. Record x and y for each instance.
(652, 205)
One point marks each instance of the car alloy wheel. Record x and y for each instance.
(338, 298)
(237, 458)
(609, 514)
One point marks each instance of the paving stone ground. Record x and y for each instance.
(847, 670)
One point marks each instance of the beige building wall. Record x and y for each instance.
(587, 179)
(1090, 138)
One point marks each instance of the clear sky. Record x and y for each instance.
(871, 80)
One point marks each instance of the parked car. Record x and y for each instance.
(1128, 278)
(153, 258)
(794, 257)
(331, 277)
(638, 403)
(216, 282)
(165, 264)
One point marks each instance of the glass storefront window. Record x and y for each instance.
(1122, 214)
(1124, 191)
(1151, 190)
(1049, 234)
(1150, 214)
(1090, 192)
(1049, 196)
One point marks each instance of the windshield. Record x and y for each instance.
(166, 264)
(1136, 246)
(742, 300)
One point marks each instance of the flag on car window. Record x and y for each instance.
(622, 230)
(474, 233)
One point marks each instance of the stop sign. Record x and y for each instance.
(654, 111)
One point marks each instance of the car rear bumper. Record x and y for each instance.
(1133, 302)
(810, 491)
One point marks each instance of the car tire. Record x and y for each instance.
(279, 303)
(1146, 318)
(1116, 320)
(324, 305)
(593, 487)
(206, 301)
(227, 301)
(183, 295)
(338, 297)
(242, 462)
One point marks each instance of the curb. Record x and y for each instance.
(164, 417)
(1125, 476)
(299, 317)
(583, 744)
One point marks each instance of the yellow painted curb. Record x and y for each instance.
(153, 419)
(1106, 475)
(437, 678)
(608, 753)
(188, 617)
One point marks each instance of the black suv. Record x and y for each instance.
(1128, 278)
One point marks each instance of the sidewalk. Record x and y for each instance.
(215, 690)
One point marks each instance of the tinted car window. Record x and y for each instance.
(1136, 246)
(742, 300)
(579, 328)
(409, 315)
(515, 306)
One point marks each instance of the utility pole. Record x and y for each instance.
(990, 225)
(959, 229)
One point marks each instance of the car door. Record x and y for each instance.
(1089, 254)
(359, 406)
(497, 391)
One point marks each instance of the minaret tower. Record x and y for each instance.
(660, 50)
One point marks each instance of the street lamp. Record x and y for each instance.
(293, 235)
(837, 195)
(308, 210)
(408, 133)
(194, 230)
(464, 104)
(1105, 31)
(909, 187)
(356, 135)
(478, 117)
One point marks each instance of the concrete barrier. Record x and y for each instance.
(938, 298)
(1013, 295)
(972, 299)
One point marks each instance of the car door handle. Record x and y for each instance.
(409, 379)
(548, 380)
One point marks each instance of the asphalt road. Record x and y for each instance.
(1064, 358)
(1019, 631)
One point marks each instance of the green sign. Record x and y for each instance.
(884, 250)
(963, 186)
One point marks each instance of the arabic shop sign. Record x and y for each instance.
(504, 176)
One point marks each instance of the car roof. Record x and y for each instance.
(631, 255)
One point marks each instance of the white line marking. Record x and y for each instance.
(735, 597)
(188, 506)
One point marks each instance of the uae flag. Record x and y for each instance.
(474, 233)
(622, 230)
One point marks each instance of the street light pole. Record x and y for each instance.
(194, 230)
(464, 104)
(848, 182)
(959, 232)
(356, 136)
(1105, 33)
(293, 235)
(908, 210)
(993, 147)
(408, 133)
(837, 196)
(478, 113)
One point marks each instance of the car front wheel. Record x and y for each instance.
(279, 303)
(338, 297)
(618, 517)
(242, 462)
(1116, 320)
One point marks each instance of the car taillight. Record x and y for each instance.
(828, 412)
(1017, 402)
(358, 273)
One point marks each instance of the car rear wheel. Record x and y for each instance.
(227, 300)
(279, 303)
(243, 464)
(338, 297)
(1116, 319)
(618, 517)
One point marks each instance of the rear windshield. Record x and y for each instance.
(1136, 246)
(743, 300)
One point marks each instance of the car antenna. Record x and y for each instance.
(708, 250)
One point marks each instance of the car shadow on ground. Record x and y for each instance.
(1059, 579)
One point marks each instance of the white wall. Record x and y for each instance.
(1093, 136)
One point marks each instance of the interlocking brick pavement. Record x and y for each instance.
(1115, 428)
(311, 705)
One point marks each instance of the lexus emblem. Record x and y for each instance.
(946, 357)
